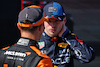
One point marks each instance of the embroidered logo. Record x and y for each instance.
(63, 45)
(41, 45)
(52, 9)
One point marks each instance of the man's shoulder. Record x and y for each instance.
(39, 52)
(44, 36)
(68, 34)
(5, 48)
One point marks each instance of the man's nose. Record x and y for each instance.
(53, 24)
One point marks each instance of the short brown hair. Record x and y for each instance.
(30, 29)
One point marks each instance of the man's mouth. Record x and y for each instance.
(52, 30)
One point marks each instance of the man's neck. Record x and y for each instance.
(30, 36)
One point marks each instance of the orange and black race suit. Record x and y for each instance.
(24, 54)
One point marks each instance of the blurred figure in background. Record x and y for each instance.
(40, 3)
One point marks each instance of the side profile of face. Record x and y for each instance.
(53, 27)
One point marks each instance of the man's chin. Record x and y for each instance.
(53, 34)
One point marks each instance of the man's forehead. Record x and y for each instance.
(53, 19)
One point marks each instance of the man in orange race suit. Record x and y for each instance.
(25, 52)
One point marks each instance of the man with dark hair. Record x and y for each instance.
(59, 43)
(25, 52)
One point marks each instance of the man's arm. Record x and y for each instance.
(45, 62)
(82, 52)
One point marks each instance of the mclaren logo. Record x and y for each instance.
(13, 53)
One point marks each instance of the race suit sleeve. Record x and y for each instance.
(46, 61)
(81, 51)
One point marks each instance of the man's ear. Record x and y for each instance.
(65, 20)
(18, 26)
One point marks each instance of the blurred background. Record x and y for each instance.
(83, 19)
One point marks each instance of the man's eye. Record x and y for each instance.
(49, 20)
(53, 20)
(56, 20)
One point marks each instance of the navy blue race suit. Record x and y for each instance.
(63, 49)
